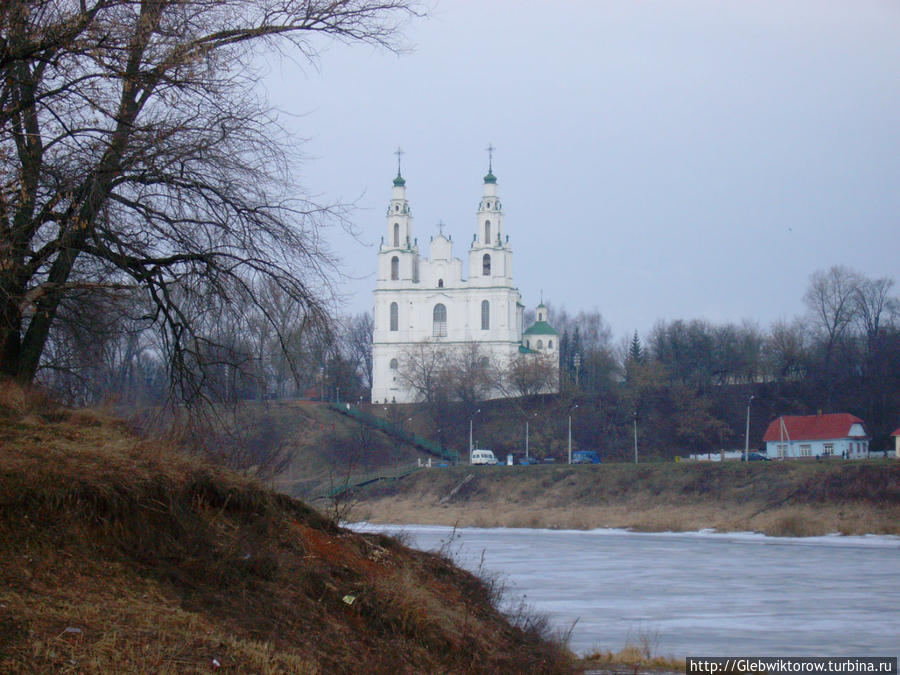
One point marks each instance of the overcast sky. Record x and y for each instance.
(656, 159)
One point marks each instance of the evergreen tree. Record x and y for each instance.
(636, 351)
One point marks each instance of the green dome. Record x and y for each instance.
(540, 328)
(490, 178)
(398, 181)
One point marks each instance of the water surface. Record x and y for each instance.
(693, 594)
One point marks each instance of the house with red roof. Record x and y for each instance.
(896, 436)
(839, 434)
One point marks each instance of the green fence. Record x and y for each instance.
(376, 422)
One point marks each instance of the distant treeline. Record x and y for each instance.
(686, 384)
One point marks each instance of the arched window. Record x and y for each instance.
(394, 364)
(487, 232)
(440, 283)
(540, 344)
(485, 315)
(486, 265)
(395, 268)
(396, 235)
(439, 327)
(550, 344)
(395, 316)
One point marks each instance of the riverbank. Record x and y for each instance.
(775, 498)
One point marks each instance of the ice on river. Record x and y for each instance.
(692, 594)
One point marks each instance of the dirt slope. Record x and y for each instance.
(118, 555)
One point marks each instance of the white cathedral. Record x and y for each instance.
(421, 300)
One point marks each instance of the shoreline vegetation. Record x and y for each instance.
(793, 499)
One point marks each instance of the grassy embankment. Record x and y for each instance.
(799, 498)
(119, 554)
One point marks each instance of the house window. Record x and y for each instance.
(486, 265)
(487, 232)
(782, 450)
(828, 449)
(396, 235)
(395, 316)
(395, 268)
(485, 315)
(439, 326)
(394, 364)
(805, 450)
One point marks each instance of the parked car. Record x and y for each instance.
(528, 461)
(585, 457)
(756, 457)
(549, 460)
(482, 456)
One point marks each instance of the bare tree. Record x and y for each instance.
(531, 375)
(874, 307)
(831, 300)
(138, 159)
(358, 345)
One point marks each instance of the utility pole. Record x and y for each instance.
(635, 438)
(747, 434)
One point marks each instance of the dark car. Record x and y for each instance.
(549, 460)
(757, 457)
(527, 461)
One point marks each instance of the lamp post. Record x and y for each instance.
(747, 433)
(577, 366)
(634, 414)
(570, 434)
(470, 433)
(527, 419)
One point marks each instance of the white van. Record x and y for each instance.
(481, 456)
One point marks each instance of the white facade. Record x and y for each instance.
(427, 300)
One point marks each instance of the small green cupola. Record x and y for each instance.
(490, 177)
(399, 181)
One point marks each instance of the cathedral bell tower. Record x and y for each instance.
(490, 256)
(399, 252)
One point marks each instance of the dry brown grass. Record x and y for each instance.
(777, 499)
(119, 555)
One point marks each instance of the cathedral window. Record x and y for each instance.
(540, 344)
(394, 364)
(395, 268)
(440, 283)
(550, 344)
(396, 235)
(487, 232)
(439, 328)
(486, 265)
(485, 315)
(395, 316)
(483, 362)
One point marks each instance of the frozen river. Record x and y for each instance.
(693, 594)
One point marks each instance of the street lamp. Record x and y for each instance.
(577, 365)
(747, 434)
(635, 437)
(470, 433)
(527, 419)
(570, 433)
